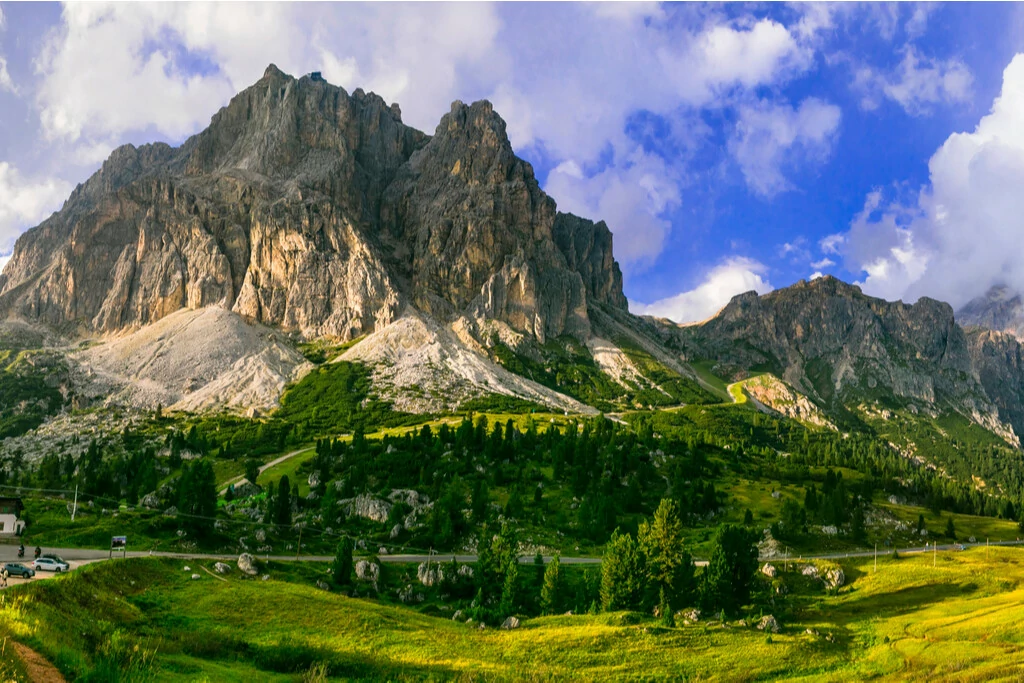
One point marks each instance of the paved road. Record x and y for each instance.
(79, 556)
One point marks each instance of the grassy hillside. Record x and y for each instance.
(910, 620)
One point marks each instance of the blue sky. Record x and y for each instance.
(729, 147)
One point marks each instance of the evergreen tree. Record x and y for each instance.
(252, 470)
(669, 566)
(551, 590)
(727, 579)
(950, 528)
(341, 568)
(283, 502)
(623, 574)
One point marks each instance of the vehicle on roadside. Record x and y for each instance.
(49, 564)
(959, 546)
(55, 558)
(18, 569)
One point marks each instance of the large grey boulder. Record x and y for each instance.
(247, 564)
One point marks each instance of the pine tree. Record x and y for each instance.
(551, 590)
(510, 590)
(727, 578)
(950, 528)
(284, 502)
(669, 566)
(341, 568)
(623, 574)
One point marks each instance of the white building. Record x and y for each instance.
(10, 511)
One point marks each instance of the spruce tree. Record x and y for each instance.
(623, 574)
(551, 589)
(284, 502)
(727, 579)
(669, 566)
(341, 568)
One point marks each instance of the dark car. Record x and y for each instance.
(15, 569)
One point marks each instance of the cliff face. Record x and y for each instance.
(998, 358)
(312, 210)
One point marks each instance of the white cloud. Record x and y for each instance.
(917, 84)
(822, 264)
(25, 202)
(630, 197)
(832, 244)
(137, 79)
(5, 77)
(816, 274)
(733, 276)
(962, 233)
(769, 137)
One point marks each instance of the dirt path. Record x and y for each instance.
(39, 670)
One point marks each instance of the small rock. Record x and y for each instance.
(810, 570)
(186, 568)
(195, 576)
(768, 623)
(261, 536)
(221, 568)
(510, 624)
(457, 616)
(382, 550)
(770, 571)
(322, 586)
(265, 577)
(247, 563)
(834, 577)
(367, 571)
(395, 531)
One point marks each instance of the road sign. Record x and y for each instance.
(118, 542)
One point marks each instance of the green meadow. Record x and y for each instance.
(917, 617)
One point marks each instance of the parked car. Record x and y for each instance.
(51, 556)
(17, 569)
(49, 564)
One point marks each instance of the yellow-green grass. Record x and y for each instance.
(712, 381)
(980, 528)
(289, 467)
(958, 620)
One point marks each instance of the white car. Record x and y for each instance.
(48, 564)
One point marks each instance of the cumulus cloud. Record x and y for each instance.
(25, 202)
(769, 137)
(734, 276)
(917, 84)
(630, 197)
(142, 59)
(822, 264)
(962, 233)
(5, 77)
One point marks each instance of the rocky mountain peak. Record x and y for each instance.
(305, 208)
(1000, 309)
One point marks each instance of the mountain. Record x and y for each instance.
(1000, 309)
(842, 348)
(305, 214)
(319, 212)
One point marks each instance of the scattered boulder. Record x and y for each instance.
(195, 576)
(367, 507)
(465, 571)
(247, 564)
(429, 574)
(510, 624)
(186, 568)
(458, 615)
(830, 530)
(170, 512)
(367, 571)
(770, 571)
(150, 501)
(265, 577)
(382, 550)
(395, 531)
(810, 570)
(221, 568)
(261, 536)
(768, 623)
(688, 616)
(322, 585)
(313, 480)
(834, 577)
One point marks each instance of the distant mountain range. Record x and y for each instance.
(305, 214)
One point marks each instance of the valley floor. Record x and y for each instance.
(950, 617)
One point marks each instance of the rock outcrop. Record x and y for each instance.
(311, 210)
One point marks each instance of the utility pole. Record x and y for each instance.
(74, 509)
(935, 554)
(299, 549)
(876, 557)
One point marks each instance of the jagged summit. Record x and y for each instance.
(309, 209)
